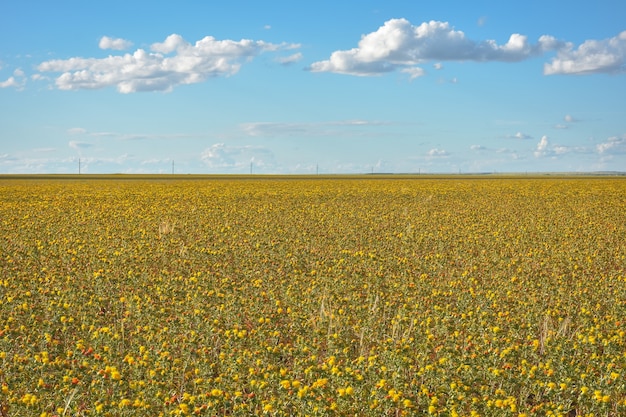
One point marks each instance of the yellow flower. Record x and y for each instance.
(125, 403)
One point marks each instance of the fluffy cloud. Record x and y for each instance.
(613, 145)
(399, 44)
(18, 80)
(9, 82)
(434, 153)
(237, 158)
(592, 56)
(542, 147)
(170, 63)
(114, 43)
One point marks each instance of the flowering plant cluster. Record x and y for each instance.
(370, 297)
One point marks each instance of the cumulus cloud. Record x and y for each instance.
(169, 64)
(399, 44)
(542, 147)
(222, 156)
(17, 80)
(592, 56)
(569, 118)
(117, 44)
(613, 145)
(9, 82)
(434, 153)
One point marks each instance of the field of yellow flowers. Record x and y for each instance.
(313, 296)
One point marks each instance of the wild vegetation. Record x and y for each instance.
(353, 296)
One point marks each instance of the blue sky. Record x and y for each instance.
(300, 87)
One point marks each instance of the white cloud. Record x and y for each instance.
(542, 147)
(434, 153)
(171, 63)
(592, 56)
(569, 118)
(17, 80)
(477, 148)
(287, 60)
(10, 82)
(222, 156)
(117, 44)
(78, 145)
(613, 145)
(399, 44)
(438, 65)
(414, 72)
(520, 135)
